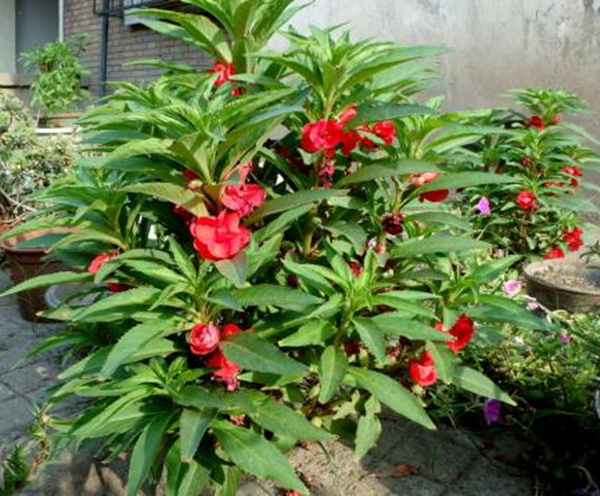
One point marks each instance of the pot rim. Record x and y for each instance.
(10, 245)
(535, 278)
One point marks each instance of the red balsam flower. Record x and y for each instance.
(204, 339)
(536, 121)
(386, 131)
(219, 238)
(224, 71)
(527, 201)
(573, 171)
(226, 370)
(243, 198)
(322, 135)
(462, 331)
(436, 196)
(422, 371)
(573, 238)
(555, 253)
(100, 260)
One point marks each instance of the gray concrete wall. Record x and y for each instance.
(501, 44)
(7, 36)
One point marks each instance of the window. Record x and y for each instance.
(25, 24)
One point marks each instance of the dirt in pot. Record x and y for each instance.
(578, 280)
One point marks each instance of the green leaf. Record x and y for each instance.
(173, 193)
(332, 370)
(445, 361)
(437, 244)
(440, 218)
(192, 427)
(198, 398)
(117, 306)
(133, 340)
(464, 180)
(48, 280)
(253, 353)
(351, 231)
(257, 456)
(293, 200)
(235, 269)
(316, 332)
(397, 301)
(369, 172)
(193, 479)
(278, 296)
(393, 394)
(368, 430)
(395, 324)
(371, 336)
(477, 383)
(370, 114)
(144, 451)
(224, 298)
(572, 203)
(277, 417)
(493, 269)
(281, 223)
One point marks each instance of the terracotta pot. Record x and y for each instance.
(544, 284)
(30, 261)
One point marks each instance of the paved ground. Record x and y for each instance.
(447, 463)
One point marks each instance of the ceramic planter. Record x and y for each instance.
(546, 282)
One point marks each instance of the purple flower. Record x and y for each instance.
(564, 338)
(491, 411)
(532, 304)
(512, 287)
(484, 206)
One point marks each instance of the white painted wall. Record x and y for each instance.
(7, 37)
(501, 44)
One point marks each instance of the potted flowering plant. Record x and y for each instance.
(537, 213)
(28, 163)
(258, 247)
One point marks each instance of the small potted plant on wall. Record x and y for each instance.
(57, 86)
(28, 164)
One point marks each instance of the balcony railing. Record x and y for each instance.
(120, 7)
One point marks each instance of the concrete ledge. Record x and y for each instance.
(15, 80)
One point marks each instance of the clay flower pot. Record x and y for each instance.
(26, 255)
(563, 284)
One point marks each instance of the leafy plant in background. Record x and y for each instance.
(536, 213)
(58, 73)
(272, 267)
(28, 163)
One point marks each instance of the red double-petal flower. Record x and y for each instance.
(219, 238)
(204, 339)
(422, 370)
(527, 201)
(462, 331)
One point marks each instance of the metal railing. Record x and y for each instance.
(118, 8)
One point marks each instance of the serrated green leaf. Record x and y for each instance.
(316, 333)
(192, 427)
(477, 383)
(257, 456)
(393, 394)
(332, 370)
(252, 353)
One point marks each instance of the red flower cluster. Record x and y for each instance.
(224, 74)
(204, 340)
(462, 331)
(422, 371)
(424, 178)
(573, 171)
(573, 238)
(393, 223)
(327, 134)
(535, 121)
(527, 201)
(221, 237)
(554, 253)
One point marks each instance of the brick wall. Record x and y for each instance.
(125, 44)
